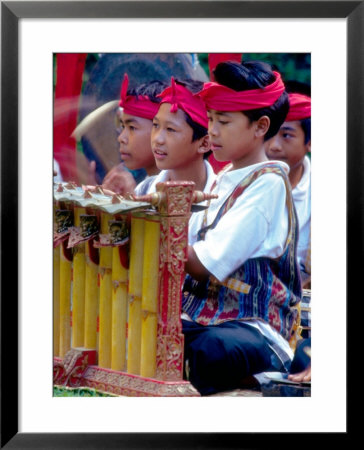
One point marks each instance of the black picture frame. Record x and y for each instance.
(11, 12)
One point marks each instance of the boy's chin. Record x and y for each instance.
(162, 165)
(219, 158)
(275, 158)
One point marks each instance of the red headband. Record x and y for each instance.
(299, 107)
(140, 106)
(222, 98)
(180, 97)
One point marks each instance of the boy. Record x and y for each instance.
(243, 281)
(139, 106)
(180, 142)
(291, 145)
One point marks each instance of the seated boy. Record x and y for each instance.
(243, 282)
(180, 142)
(138, 107)
(291, 144)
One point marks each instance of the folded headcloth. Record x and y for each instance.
(140, 106)
(180, 97)
(222, 98)
(299, 107)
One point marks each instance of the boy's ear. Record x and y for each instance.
(204, 144)
(308, 146)
(262, 126)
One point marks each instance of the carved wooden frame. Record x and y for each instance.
(353, 11)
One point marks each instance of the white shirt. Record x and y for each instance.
(302, 200)
(196, 218)
(256, 225)
(57, 178)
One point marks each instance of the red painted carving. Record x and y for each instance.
(69, 371)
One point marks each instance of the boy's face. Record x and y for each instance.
(288, 144)
(134, 140)
(171, 139)
(231, 137)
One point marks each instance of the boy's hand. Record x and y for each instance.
(194, 267)
(119, 180)
(91, 174)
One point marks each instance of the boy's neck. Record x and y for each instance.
(153, 170)
(253, 157)
(196, 172)
(295, 175)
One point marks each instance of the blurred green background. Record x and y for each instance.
(101, 78)
(292, 66)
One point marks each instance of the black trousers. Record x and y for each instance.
(301, 360)
(219, 357)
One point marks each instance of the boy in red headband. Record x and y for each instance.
(243, 280)
(292, 144)
(137, 108)
(180, 142)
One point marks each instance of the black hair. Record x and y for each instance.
(194, 86)
(298, 87)
(254, 75)
(306, 127)
(151, 90)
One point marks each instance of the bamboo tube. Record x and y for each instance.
(135, 293)
(78, 297)
(119, 310)
(56, 297)
(91, 293)
(105, 298)
(134, 335)
(148, 361)
(65, 300)
(150, 296)
(151, 264)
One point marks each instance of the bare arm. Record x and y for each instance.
(119, 180)
(194, 267)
